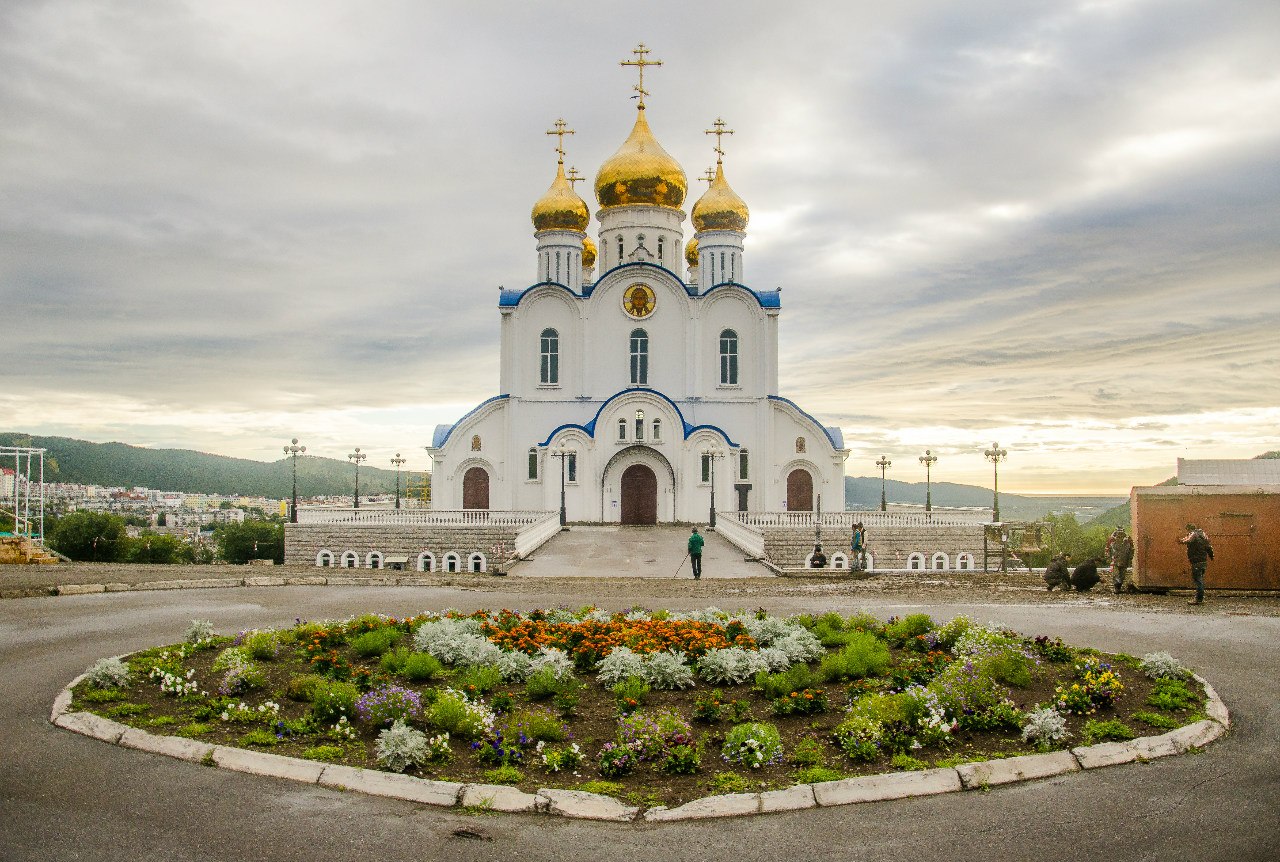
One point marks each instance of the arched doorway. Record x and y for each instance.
(799, 491)
(475, 489)
(639, 495)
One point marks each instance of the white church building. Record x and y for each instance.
(640, 367)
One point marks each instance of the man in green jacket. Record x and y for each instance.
(695, 553)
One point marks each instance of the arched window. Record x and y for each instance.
(964, 562)
(549, 349)
(941, 561)
(619, 248)
(915, 562)
(452, 562)
(571, 468)
(659, 249)
(324, 559)
(426, 562)
(533, 463)
(350, 560)
(639, 357)
(744, 465)
(374, 560)
(557, 267)
(639, 425)
(657, 429)
(475, 442)
(839, 561)
(728, 358)
(477, 563)
(622, 429)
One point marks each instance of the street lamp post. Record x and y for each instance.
(884, 464)
(713, 454)
(357, 457)
(928, 459)
(995, 455)
(294, 450)
(396, 462)
(563, 454)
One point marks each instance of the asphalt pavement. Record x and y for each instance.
(63, 796)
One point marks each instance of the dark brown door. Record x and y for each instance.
(799, 491)
(475, 489)
(639, 495)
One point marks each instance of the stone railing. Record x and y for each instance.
(422, 517)
(844, 521)
(534, 535)
(746, 538)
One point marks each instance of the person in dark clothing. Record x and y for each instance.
(1120, 551)
(858, 547)
(695, 553)
(1056, 575)
(817, 560)
(1086, 576)
(1199, 553)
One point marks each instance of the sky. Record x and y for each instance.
(1055, 225)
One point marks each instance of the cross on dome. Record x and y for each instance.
(574, 177)
(708, 176)
(640, 62)
(560, 131)
(719, 131)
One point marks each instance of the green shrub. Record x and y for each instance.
(259, 737)
(604, 788)
(629, 694)
(1010, 667)
(909, 627)
(795, 678)
(303, 687)
(727, 782)
(478, 680)
(456, 715)
(127, 710)
(421, 667)
(906, 763)
(808, 752)
(1171, 694)
(864, 622)
(374, 643)
(864, 655)
(505, 774)
(708, 708)
(681, 760)
(817, 775)
(1113, 730)
(325, 753)
(753, 744)
(1155, 719)
(262, 645)
(540, 725)
(858, 736)
(194, 729)
(332, 700)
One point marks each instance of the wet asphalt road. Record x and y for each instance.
(63, 796)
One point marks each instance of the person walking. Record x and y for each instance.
(1120, 552)
(695, 553)
(1199, 553)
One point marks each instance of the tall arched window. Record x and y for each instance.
(639, 357)
(728, 358)
(533, 463)
(549, 347)
(639, 424)
(622, 429)
(657, 430)
(619, 248)
(659, 249)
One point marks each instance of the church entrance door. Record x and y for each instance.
(475, 489)
(639, 495)
(799, 491)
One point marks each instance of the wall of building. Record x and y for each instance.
(890, 547)
(303, 542)
(1242, 523)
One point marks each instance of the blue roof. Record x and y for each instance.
(590, 428)
(509, 298)
(442, 432)
(835, 435)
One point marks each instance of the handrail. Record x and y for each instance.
(429, 517)
(869, 519)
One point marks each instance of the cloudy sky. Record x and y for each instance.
(1052, 224)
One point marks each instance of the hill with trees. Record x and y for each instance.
(120, 465)
(863, 492)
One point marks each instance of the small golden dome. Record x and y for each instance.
(641, 172)
(560, 208)
(720, 208)
(691, 252)
(588, 253)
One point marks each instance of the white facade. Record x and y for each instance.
(640, 375)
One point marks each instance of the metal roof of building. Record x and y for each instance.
(1238, 471)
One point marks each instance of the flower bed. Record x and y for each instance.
(654, 707)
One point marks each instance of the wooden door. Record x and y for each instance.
(799, 491)
(475, 489)
(639, 495)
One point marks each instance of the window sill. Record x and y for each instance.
(549, 386)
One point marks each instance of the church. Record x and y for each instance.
(639, 372)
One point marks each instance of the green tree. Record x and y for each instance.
(157, 549)
(1067, 536)
(94, 536)
(252, 540)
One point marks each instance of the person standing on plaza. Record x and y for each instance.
(858, 547)
(1199, 553)
(695, 553)
(1120, 552)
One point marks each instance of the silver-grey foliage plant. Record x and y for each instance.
(198, 631)
(400, 746)
(1161, 665)
(1044, 727)
(107, 673)
(730, 666)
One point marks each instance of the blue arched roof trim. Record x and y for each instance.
(640, 263)
(766, 298)
(444, 431)
(590, 427)
(511, 298)
(837, 440)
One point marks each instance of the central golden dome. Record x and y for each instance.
(560, 208)
(720, 208)
(641, 172)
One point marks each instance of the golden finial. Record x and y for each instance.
(640, 62)
(560, 131)
(719, 131)
(574, 178)
(708, 176)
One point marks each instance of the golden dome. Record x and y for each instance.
(641, 172)
(560, 208)
(720, 208)
(588, 253)
(691, 252)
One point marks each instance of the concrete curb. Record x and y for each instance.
(581, 805)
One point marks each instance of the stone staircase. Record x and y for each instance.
(22, 551)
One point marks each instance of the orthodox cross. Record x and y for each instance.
(560, 131)
(574, 178)
(719, 131)
(640, 62)
(709, 176)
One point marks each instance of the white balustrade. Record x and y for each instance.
(423, 517)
